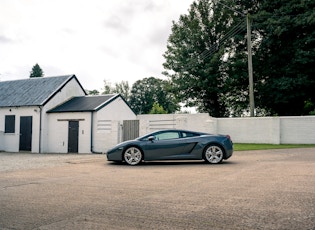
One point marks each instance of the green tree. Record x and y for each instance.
(206, 57)
(284, 61)
(121, 88)
(157, 109)
(146, 92)
(36, 71)
(108, 89)
(197, 56)
(93, 92)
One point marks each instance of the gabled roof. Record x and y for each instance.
(31, 91)
(84, 104)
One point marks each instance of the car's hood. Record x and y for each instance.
(122, 144)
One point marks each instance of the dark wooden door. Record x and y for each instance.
(130, 129)
(26, 133)
(73, 136)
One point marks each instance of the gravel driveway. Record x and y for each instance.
(22, 161)
(272, 189)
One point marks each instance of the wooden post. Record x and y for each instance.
(250, 68)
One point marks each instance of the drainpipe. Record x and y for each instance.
(91, 147)
(40, 129)
(91, 140)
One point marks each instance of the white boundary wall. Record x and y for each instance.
(271, 130)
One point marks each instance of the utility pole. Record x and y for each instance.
(250, 67)
(249, 56)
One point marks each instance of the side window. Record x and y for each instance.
(188, 134)
(167, 135)
(9, 124)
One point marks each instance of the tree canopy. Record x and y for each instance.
(206, 60)
(92, 92)
(148, 91)
(196, 58)
(121, 88)
(284, 60)
(36, 71)
(157, 109)
(149, 95)
(206, 56)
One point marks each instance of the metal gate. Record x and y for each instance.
(130, 129)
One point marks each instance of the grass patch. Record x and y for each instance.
(244, 147)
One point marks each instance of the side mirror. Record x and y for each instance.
(151, 138)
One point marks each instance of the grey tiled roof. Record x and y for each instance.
(84, 103)
(31, 91)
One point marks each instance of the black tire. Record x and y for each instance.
(132, 155)
(213, 154)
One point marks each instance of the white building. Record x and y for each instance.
(54, 114)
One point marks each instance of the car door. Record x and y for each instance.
(166, 145)
(191, 140)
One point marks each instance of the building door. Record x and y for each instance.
(26, 133)
(130, 129)
(73, 136)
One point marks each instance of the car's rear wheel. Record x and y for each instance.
(213, 154)
(132, 155)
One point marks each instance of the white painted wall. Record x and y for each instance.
(10, 141)
(272, 130)
(107, 124)
(107, 135)
(70, 90)
(195, 122)
(295, 130)
(1, 139)
(3, 112)
(58, 131)
(251, 130)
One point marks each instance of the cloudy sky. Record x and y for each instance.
(96, 40)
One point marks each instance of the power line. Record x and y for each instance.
(230, 8)
(215, 47)
(235, 30)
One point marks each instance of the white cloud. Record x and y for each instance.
(96, 40)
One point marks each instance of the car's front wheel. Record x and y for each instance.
(213, 154)
(132, 156)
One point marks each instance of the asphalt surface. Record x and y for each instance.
(272, 189)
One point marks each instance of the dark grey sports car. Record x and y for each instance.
(173, 145)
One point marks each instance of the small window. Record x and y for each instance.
(167, 135)
(188, 134)
(9, 124)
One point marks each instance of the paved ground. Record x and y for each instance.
(252, 190)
